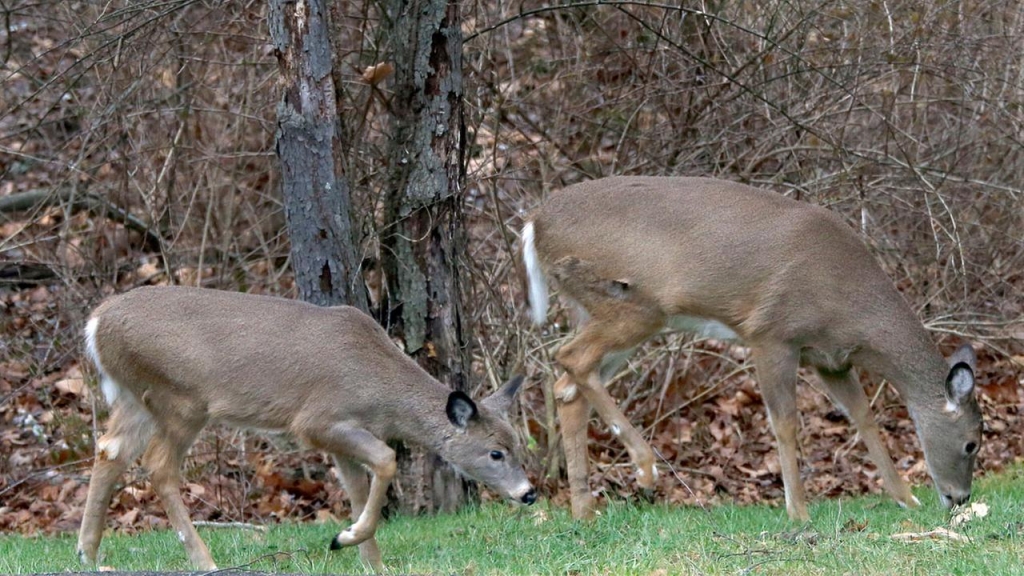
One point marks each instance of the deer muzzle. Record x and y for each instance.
(954, 498)
(530, 497)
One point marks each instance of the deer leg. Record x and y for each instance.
(163, 459)
(847, 393)
(105, 474)
(574, 417)
(639, 451)
(776, 370)
(362, 447)
(353, 477)
(130, 429)
(583, 357)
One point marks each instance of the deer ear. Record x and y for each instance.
(618, 288)
(461, 409)
(959, 383)
(966, 355)
(500, 402)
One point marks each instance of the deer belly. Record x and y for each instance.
(701, 327)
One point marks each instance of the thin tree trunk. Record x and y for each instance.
(316, 197)
(423, 241)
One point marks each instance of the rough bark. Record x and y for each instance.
(316, 197)
(423, 243)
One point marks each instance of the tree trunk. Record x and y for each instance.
(423, 240)
(316, 196)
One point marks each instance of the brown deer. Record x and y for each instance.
(789, 279)
(172, 360)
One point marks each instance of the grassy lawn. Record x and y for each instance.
(844, 537)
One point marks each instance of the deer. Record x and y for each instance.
(172, 360)
(788, 279)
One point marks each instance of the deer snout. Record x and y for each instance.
(955, 498)
(525, 493)
(530, 497)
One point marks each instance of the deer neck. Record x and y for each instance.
(420, 418)
(903, 353)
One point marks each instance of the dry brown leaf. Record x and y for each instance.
(135, 492)
(147, 270)
(852, 525)
(325, 516)
(129, 517)
(73, 387)
(751, 472)
(936, 534)
(968, 513)
(378, 72)
(730, 406)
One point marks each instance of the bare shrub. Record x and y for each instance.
(903, 117)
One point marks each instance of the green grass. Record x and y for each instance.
(846, 536)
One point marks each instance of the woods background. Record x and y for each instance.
(137, 146)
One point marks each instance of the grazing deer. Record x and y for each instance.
(790, 279)
(172, 360)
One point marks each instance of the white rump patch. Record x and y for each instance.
(535, 276)
(111, 391)
(109, 448)
(701, 327)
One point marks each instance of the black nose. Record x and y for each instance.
(958, 499)
(530, 497)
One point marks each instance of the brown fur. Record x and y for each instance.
(789, 278)
(182, 358)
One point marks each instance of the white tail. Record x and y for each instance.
(788, 278)
(109, 388)
(535, 276)
(172, 360)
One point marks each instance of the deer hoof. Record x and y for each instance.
(350, 537)
(647, 495)
(646, 476)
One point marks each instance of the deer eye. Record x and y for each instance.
(497, 455)
(970, 448)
